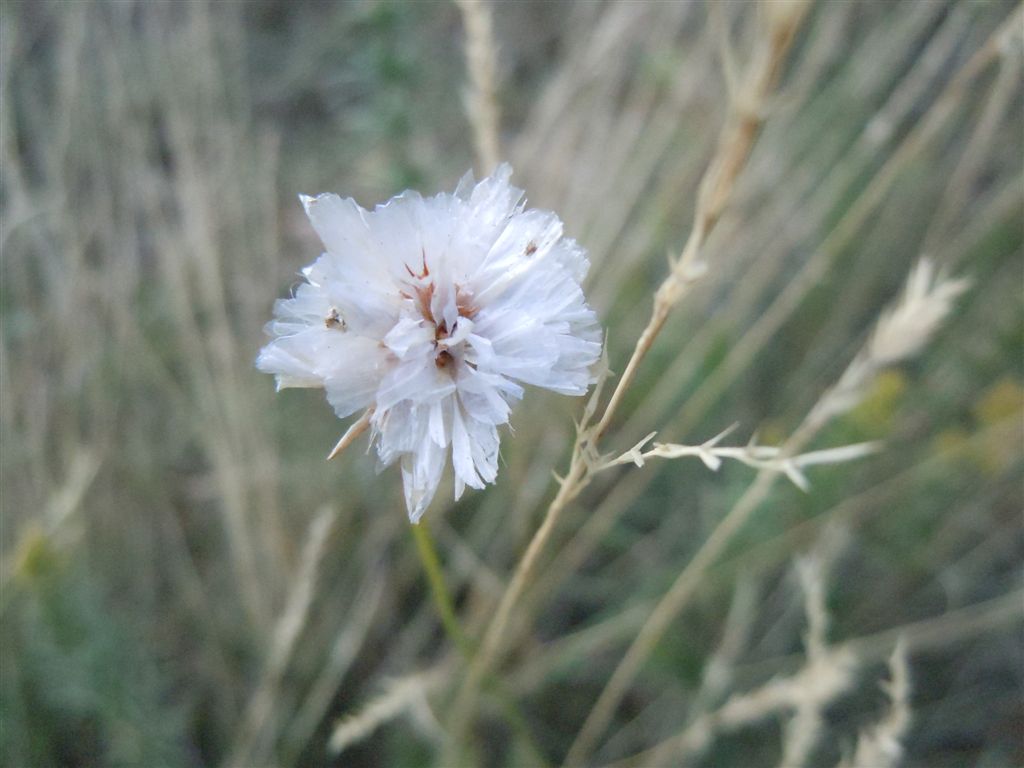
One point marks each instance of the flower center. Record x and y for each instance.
(421, 290)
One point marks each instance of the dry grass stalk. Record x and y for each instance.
(403, 696)
(494, 635)
(859, 506)
(882, 745)
(804, 217)
(342, 654)
(929, 300)
(827, 674)
(752, 455)
(717, 676)
(746, 116)
(747, 708)
(900, 334)
(943, 109)
(253, 734)
(804, 728)
(823, 680)
(956, 197)
(748, 109)
(482, 99)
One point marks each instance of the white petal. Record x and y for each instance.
(523, 245)
(413, 234)
(410, 335)
(462, 452)
(289, 363)
(439, 431)
(352, 367)
(370, 305)
(421, 474)
(485, 396)
(416, 381)
(397, 431)
(342, 227)
(484, 442)
(334, 359)
(494, 200)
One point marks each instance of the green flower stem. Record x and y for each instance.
(446, 609)
(439, 590)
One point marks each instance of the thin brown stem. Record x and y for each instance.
(734, 147)
(901, 333)
(747, 115)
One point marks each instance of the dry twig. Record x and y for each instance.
(928, 299)
(736, 142)
(481, 99)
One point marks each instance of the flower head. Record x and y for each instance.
(434, 312)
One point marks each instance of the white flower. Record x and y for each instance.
(434, 312)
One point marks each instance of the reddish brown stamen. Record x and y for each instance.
(424, 271)
(424, 295)
(464, 302)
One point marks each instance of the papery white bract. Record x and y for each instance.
(434, 312)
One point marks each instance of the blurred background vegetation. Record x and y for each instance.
(185, 582)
